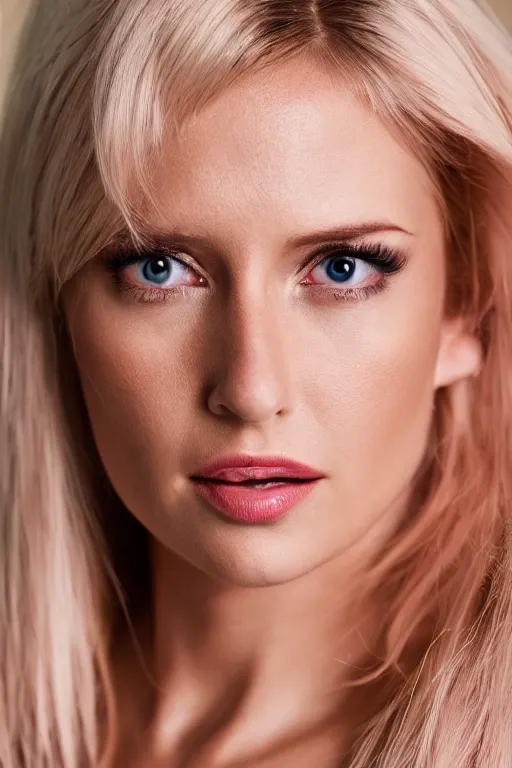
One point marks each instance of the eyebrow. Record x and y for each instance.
(345, 232)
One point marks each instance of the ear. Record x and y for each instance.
(459, 356)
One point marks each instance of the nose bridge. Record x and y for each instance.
(253, 378)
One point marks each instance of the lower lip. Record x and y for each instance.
(248, 504)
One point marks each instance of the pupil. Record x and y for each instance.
(156, 269)
(341, 268)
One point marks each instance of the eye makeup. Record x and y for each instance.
(378, 260)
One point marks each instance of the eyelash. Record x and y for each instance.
(386, 260)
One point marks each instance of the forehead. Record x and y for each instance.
(286, 144)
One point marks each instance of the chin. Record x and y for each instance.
(253, 574)
(256, 558)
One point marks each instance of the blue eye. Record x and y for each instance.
(157, 269)
(156, 274)
(160, 270)
(341, 268)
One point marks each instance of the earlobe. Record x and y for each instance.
(459, 357)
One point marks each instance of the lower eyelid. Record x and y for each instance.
(152, 294)
(194, 276)
(358, 294)
(325, 291)
(349, 294)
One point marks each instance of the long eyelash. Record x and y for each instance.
(386, 259)
(121, 259)
(382, 256)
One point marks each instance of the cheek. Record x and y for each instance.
(140, 397)
(375, 398)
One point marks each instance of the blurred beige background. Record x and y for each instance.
(12, 11)
(504, 8)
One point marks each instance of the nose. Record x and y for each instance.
(252, 350)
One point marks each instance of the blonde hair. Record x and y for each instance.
(97, 86)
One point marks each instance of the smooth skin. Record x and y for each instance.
(248, 637)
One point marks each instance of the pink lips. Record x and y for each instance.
(283, 483)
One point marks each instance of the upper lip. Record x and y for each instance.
(242, 466)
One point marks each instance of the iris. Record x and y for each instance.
(156, 269)
(340, 268)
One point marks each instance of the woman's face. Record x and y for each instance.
(253, 341)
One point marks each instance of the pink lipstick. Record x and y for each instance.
(254, 489)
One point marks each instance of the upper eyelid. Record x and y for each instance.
(360, 247)
(115, 257)
(387, 259)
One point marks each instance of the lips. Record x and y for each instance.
(254, 489)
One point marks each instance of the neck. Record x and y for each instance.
(252, 662)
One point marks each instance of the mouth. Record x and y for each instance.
(254, 489)
(269, 482)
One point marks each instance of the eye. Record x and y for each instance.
(152, 276)
(347, 272)
(342, 269)
(160, 270)
(352, 272)
(350, 265)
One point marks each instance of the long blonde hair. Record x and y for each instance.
(97, 86)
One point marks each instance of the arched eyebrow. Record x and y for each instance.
(176, 238)
(345, 232)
